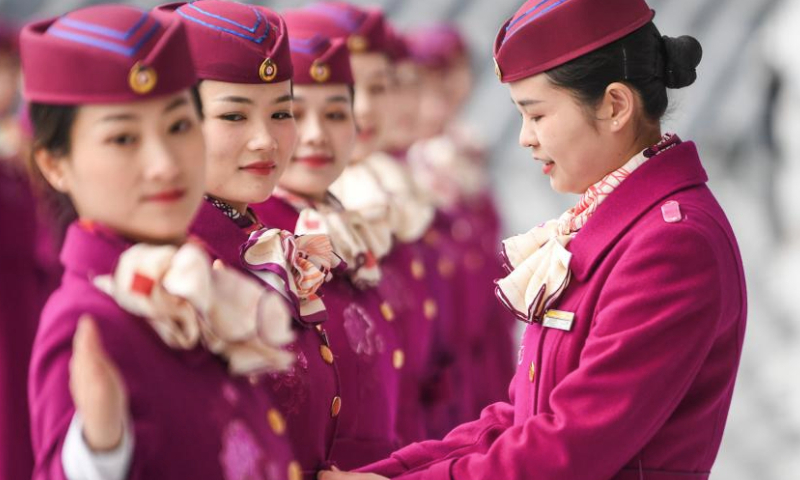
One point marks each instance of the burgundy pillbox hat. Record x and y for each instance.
(364, 30)
(233, 42)
(437, 46)
(317, 59)
(397, 45)
(544, 34)
(104, 54)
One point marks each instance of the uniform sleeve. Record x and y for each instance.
(468, 438)
(654, 325)
(51, 406)
(81, 463)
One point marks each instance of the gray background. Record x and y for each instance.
(747, 83)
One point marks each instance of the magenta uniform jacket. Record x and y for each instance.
(641, 386)
(20, 305)
(190, 417)
(489, 338)
(405, 286)
(304, 394)
(364, 344)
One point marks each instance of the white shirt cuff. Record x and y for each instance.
(81, 463)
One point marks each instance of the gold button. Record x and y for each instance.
(326, 353)
(336, 406)
(446, 267)
(461, 230)
(474, 261)
(295, 472)
(398, 359)
(532, 372)
(431, 310)
(387, 312)
(417, 269)
(276, 421)
(432, 237)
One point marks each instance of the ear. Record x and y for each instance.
(618, 106)
(54, 169)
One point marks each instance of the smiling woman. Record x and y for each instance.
(140, 142)
(634, 299)
(136, 346)
(250, 134)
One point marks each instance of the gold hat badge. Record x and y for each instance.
(357, 44)
(268, 70)
(142, 79)
(320, 72)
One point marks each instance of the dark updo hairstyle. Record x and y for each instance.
(644, 60)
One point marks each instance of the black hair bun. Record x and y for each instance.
(683, 55)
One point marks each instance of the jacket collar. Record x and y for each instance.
(91, 249)
(671, 171)
(221, 234)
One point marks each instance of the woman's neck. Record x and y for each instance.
(645, 139)
(313, 197)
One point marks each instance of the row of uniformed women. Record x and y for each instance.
(222, 314)
(635, 297)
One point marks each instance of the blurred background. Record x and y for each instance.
(744, 114)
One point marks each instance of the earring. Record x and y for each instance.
(616, 123)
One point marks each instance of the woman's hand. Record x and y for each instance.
(97, 389)
(339, 475)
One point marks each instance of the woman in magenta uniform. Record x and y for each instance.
(435, 292)
(635, 297)
(450, 166)
(157, 373)
(361, 327)
(375, 185)
(250, 133)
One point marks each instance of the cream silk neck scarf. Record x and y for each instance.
(538, 261)
(187, 302)
(354, 240)
(382, 190)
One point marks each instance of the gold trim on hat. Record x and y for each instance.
(268, 70)
(357, 43)
(320, 72)
(142, 79)
(497, 69)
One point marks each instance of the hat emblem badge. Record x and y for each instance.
(268, 70)
(357, 43)
(497, 70)
(142, 79)
(320, 72)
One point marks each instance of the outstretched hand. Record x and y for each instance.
(97, 389)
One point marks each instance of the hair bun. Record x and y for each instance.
(683, 55)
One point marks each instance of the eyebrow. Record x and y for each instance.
(338, 99)
(284, 98)
(526, 102)
(248, 101)
(119, 117)
(178, 102)
(234, 99)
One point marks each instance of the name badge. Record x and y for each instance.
(558, 319)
